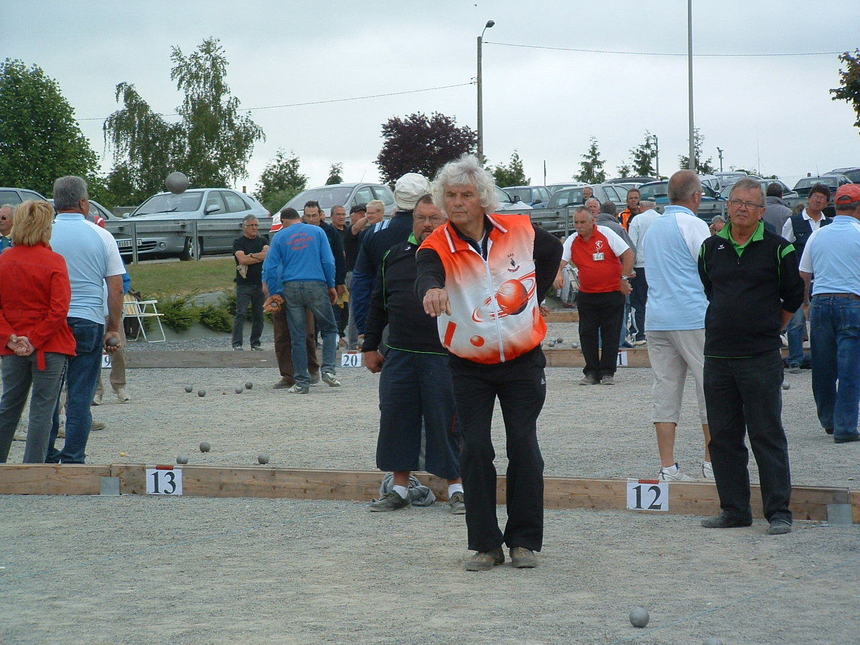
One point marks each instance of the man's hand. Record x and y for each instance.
(558, 283)
(373, 361)
(341, 289)
(436, 303)
(625, 288)
(332, 294)
(113, 341)
(273, 304)
(20, 345)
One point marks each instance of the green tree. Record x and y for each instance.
(280, 181)
(334, 174)
(624, 170)
(849, 79)
(422, 144)
(591, 167)
(512, 174)
(211, 143)
(702, 167)
(642, 157)
(39, 137)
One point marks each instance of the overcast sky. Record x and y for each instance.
(771, 112)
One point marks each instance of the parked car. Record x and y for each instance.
(787, 193)
(219, 210)
(730, 178)
(508, 203)
(852, 172)
(638, 180)
(346, 195)
(658, 191)
(534, 196)
(805, 184)
(556, 187)
(15, 196)
(603, 192)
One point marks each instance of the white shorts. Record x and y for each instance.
(672, 353)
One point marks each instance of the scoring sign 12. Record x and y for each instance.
(164, 481)
(647, 495)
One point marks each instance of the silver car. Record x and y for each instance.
(210, 216)
(346, 195)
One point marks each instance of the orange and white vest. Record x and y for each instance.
(494, 302)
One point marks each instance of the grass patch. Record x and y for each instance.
(169, 279)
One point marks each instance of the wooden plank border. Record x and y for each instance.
(685, 498)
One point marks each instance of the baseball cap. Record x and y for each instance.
(409, 189)
(847, 195)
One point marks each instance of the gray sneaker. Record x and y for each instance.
(457, 504)
(391, 501)
(588, 380)
(523, 558)
(485, 560)
(284, 384)
(608, 380)
(330, 379)
(298, 388)
(779, 527)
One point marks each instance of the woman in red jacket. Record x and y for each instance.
(35, 340)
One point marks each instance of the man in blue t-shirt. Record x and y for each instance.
(300, 267)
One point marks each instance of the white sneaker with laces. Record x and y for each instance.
(330, 379)
(707, 470)
(673, 474)
(122, 395)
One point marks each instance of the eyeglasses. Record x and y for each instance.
(737, 203)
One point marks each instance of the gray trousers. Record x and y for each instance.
(19, 373)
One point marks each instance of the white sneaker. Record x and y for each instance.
(98, 398)
(667, 475)
(330, 379)
(707, 470)
(122, 395)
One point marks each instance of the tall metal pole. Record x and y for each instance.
(692, 163)
(480, 105)
(720, 155)
(656, 155)
(489, 24)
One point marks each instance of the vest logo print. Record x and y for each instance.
(514, 266)
(511, 298)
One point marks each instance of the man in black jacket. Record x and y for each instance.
(415, 388)
(753, 286)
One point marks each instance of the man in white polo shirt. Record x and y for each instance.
(93, 259)
(832, 258)
(604, 262)
(675, 316)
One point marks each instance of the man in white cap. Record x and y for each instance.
(376, 241)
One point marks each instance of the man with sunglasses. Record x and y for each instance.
(753, 286)
(6, 212)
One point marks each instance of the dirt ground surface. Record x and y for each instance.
(192, 570)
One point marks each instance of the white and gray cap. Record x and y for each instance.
(409, 189)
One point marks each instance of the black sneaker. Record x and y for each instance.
(390, 502)
(779, 526)
(725, 521)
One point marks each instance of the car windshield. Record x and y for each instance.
(170, 203)
(327, 196)
(566, 197)
(809, 182)
(650, 192)
(503, 197)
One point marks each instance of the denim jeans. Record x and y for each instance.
(795, 331)
(81, 375)
(19, 373)
(248, 294)
(638, 300)
(744, 396)
(836, 357)
(313, 296)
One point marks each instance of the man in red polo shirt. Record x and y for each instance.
(605, 263)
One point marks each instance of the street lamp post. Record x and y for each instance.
(720, 155)
(692, 161)
(656, 155)
(489, 24)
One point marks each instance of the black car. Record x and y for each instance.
(833, 182)
(853, 173)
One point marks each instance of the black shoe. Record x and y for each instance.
(284, 384)
(779, 526)
(725, 521)
(485, 560)
(828, 430)
(854, 437)
(390, 502)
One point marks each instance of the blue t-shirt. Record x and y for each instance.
(92, 255)
(299, 252)
(676, 298)
(832, 256)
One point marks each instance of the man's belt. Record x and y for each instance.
(837, 295)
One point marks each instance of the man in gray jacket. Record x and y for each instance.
(777, 211)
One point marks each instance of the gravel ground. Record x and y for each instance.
(215, 570)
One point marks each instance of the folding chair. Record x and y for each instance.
(141, 310)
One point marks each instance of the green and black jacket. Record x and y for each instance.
(748, 288)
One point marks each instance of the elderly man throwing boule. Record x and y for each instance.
(483, 275)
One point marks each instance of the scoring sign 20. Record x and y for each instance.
(350, 359)
(647, 495)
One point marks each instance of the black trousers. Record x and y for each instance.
(744, 395)
(638, 300)
(520, 386)
(600, 317)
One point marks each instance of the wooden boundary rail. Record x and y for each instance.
(685, 498)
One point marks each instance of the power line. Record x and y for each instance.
(321, 101)
(631, 53)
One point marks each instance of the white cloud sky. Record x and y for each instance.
(773, 111)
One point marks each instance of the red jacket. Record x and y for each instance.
(34, 300)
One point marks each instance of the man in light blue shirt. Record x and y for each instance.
(832, 257)
(93, 259)
(300, 267)
(675, 316)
